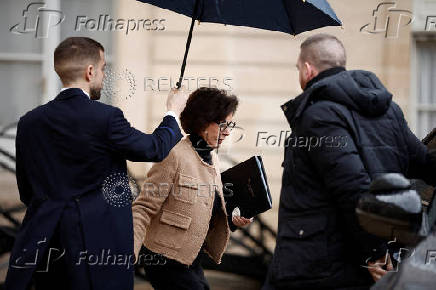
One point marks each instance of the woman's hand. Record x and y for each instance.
(241, 221)
(238, 220)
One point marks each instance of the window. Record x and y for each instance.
(27, 78)
(425, 87)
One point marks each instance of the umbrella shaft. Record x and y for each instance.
(188, 44)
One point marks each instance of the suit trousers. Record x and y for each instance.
(172, 275)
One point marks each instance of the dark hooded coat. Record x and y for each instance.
(345, 131)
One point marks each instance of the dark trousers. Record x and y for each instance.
(172, 275)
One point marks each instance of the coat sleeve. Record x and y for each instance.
(136, 146)
(155, 190)
(24, 187)
(344, 175)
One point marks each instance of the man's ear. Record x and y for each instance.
(308, 70)
(311, 71)
(90, 71)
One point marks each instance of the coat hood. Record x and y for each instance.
(358, 90)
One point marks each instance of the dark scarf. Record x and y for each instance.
(203, 149)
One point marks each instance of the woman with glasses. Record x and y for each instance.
(181, 212)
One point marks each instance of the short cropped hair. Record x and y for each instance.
(73, 55)
(205, 106)
(323, 51)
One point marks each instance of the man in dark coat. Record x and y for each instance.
(345, 130)
(71, 173)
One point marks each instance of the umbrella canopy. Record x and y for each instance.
(289, 16)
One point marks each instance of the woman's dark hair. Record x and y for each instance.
(205, 106)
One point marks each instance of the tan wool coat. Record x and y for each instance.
(172, 213)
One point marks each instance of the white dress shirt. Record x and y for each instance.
(63, 89)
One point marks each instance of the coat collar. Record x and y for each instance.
(295, 107)
(71, 92)
(324, 74)
(214, 165)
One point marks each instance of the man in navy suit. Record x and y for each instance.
(72, 175)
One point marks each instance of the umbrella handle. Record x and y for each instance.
(188, 44)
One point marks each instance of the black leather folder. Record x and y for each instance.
(246, 187)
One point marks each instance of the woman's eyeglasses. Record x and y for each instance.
(226, 125)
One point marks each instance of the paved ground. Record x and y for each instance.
(217, 280)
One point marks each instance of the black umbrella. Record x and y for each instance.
(289, 16)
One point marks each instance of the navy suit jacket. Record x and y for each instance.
(71, 169)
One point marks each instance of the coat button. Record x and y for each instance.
(301, 233)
